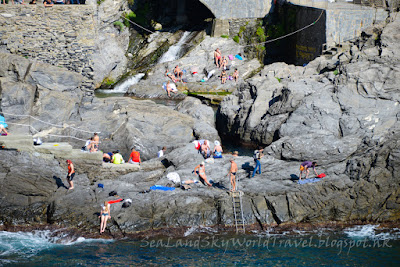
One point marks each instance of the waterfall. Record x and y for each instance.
(173, 52)
(123, 87)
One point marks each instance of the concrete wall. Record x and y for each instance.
(346, 21)
(226, 9)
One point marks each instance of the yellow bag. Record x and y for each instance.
(301, 168)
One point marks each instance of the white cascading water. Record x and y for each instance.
(123, 87)
(173, 52)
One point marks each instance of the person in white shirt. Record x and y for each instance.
(161, 152)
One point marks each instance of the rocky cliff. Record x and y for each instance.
(341, 111)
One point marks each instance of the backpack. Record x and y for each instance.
(256, 154)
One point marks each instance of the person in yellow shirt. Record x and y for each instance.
(117, 158)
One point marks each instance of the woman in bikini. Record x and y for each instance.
(223, 76)
(170, 75)
(224, 63)
(105, 213)
(217, 57)
(202, 173)
(235, 75)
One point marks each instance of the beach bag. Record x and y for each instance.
(184, 80)
(230, 57)
(322, 175)
(230, 77)
(301, 168)
(174, 177)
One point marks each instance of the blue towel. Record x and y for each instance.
(162, 188)
(238, 57)
(307, 181)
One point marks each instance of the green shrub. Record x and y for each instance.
(130, 16)
(236, 39)
(108, 81)
(241, 30)
(336, 72)
(119, 25)
(261, 34)
(225, 36)
(279, 79)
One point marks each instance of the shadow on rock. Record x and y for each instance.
(59, 182)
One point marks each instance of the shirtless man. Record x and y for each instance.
(95, 143)
(178, 72)
(217, 57)
(232, 173)
(205, 149)
(202, 173)
(71, 174)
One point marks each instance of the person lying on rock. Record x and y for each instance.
(304, 167)
(71, 174)
(107, 156)
(170, 75)
(105, 214)
(48, 3)
(201, 171)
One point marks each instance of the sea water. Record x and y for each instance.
(367, 245)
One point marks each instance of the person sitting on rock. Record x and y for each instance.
(134, 158)
(3, 130)
(205, 150)
(223, 77)
(224, 63)
(117, 158)
(170, 87)
(178, 73)
(217, 57)
(201, 171)
(48, 3)
(94, 145)
(87, 145)
(161, 152)
(235, 75)
(304, 167)
(217, 150)
(170, 75)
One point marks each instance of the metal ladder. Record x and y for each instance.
(237, 208)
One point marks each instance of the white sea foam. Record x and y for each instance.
(28, 244)
(199, 229)
(372, 232)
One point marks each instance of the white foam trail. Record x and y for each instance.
(123, 87)
(28, 244)
(173, 52)
(361, 231)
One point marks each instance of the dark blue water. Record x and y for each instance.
(357, 246)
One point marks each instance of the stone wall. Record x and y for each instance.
(62, 36)
(346, 21)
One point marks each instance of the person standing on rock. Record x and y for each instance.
(71, 174)
(105, 214)
(235, 75)
(201, 171)
(232, 173)
(257, 156)
(304, 167)
(217, 57)
(223, 76)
